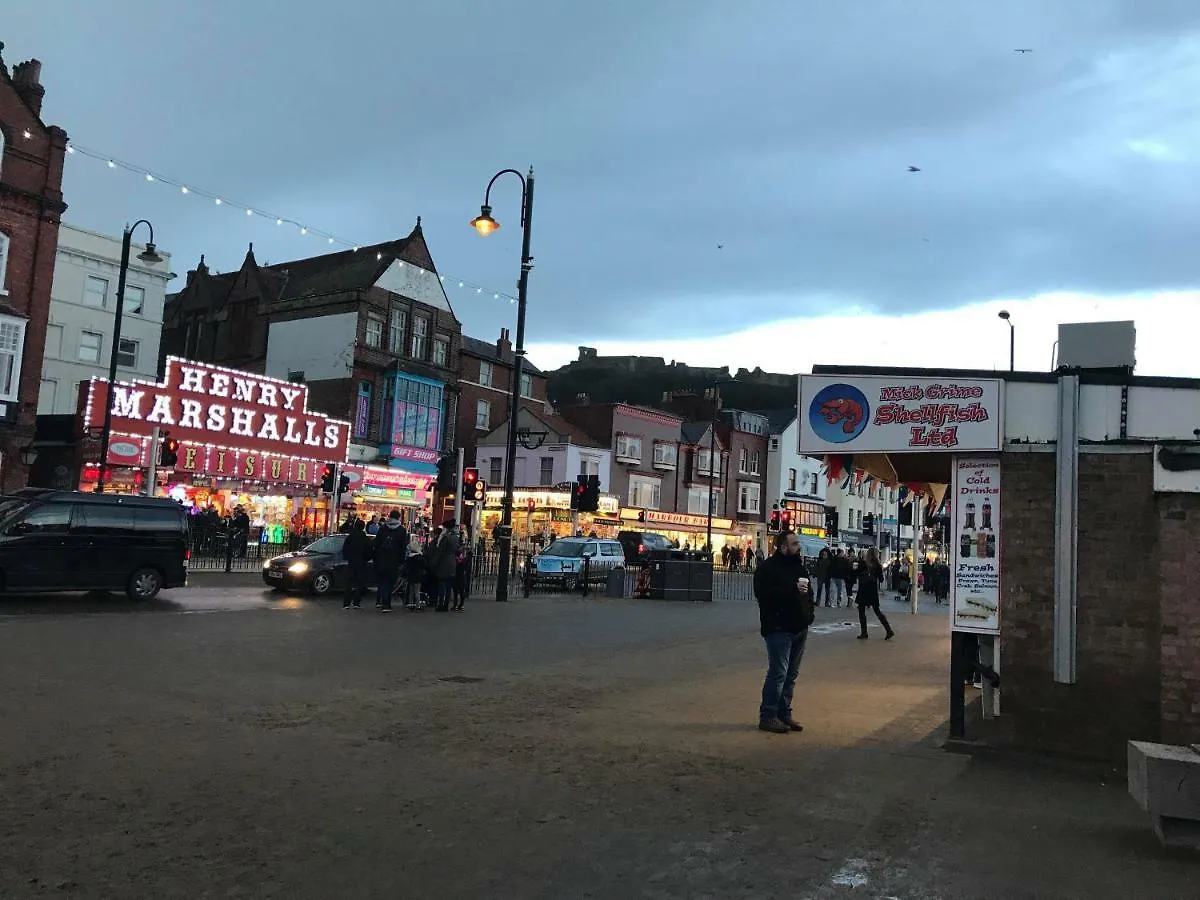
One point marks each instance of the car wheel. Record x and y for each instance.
(322, 583)
(144, 585)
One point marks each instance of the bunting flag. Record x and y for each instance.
(837, 465)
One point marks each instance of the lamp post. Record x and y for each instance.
(149, 256)
(485, 225)
(712, 452)
(1012, 340)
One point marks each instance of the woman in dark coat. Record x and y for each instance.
(870, 576)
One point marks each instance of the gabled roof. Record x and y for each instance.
(485, 350)
(778, 420)
(693, 432)
(350, 270)
(568, 432)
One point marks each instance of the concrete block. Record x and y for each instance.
(1165, 781)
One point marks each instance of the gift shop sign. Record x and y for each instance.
(870, 414)
(975, 551)
(211, 406)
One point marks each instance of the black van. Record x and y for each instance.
(69, 541)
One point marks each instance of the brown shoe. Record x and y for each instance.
(774, 726)
(791, 723)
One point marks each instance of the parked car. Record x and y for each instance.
(638, 544)
(317, 568)
(58, 541)
(566, 561)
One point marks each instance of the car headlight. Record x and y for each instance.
(267, 564)
(298, 568)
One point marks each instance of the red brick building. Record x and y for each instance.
(31, 206)
(485, 372)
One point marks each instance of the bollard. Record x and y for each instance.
(587, 574)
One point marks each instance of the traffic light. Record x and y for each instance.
(343, 484)
(578, 489)
(868, 523)
(773, 523)
(328, 477)
(589, 500)
(831, 523)
(168, 451)
(446, 472)
(479, 491)
(785, 520)
(469, 480)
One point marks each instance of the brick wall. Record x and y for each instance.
(1179, 575)
(1138, 617)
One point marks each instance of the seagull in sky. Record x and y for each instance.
(913, 169)
(1023, 50)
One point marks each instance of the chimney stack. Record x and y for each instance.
(26, 78)
(504, 346)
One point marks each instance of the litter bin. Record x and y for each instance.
(614, 586)
(680, 575)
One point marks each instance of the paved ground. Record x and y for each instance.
(231, 743)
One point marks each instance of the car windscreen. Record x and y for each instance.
(566, 549)
(331, 544)
(10, 508)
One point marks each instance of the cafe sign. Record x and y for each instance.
(874, 414)
(209, 406)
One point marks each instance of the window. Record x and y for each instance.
(703, 464)
(95, 291)
(645, 492)
(296, 376)
(104, 516)
(396, 330)
(3, 243)
(152, 519)
(441, 350)
(748, 495)
(546, 475)
(12, 347)
(420, 331)
(483, 415)
(589, 466)
(755, 463)
(47, 396)
(697, 497)
(526, 385)
(495, 476)
(53, 517)
(135, 300)
(89, 346)
(791, 479)
(485, 374)
(744, 461)
(127, 353)
(54, 341)
(664, 455)
(814, 489)
(374, 334)
(416, 411)
(362, 410)
(629, 447)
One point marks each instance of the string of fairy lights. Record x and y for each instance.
(252, 211)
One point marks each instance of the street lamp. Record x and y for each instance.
(29, 456)
(485, 225)
(1012, 340)
(712, 452)
(149, 256)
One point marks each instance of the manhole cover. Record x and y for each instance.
(461, 679)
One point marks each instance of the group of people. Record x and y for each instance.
(785, 592)
(425, 567)
(736, 558)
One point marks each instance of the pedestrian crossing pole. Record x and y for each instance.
(152, 469)
(458, 493)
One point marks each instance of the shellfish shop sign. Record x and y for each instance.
(876, 414)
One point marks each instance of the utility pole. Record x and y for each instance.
(152, 477)
(458, 493)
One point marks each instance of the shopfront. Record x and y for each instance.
(377, 490)
(545, 513)
(686, 529)
(244, 440)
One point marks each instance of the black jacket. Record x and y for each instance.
(781, 605)
(357, 548)
(391, 545)
(868, 585)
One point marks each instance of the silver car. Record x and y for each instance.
(566, 561)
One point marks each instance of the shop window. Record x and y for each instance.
(362, 411)
(546, 474)
(374, 332)
(396, 329)
(135, 300)
(95, 291)
(12, 348)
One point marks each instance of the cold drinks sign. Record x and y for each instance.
(231, 423)
(975, 568)
(870, 414)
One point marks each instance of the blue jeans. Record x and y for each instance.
(784, 652)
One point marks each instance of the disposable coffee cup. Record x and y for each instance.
(803, 584)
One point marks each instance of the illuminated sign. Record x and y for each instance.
(244, 415)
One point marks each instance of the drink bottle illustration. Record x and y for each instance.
(991, 547)
(964, 547)
(981, 545)
(987, 514)
(970, 523)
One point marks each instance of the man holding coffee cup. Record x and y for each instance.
(785, 611)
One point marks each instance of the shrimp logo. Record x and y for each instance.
(839, 413)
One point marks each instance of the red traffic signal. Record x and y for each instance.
(531, 505)
(168, 452)
(470, 476)
(328, 474)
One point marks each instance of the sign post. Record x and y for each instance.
(152, 471)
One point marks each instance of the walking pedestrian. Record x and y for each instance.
(785, 611)
(462, 569)
(838, 567)
(824, 563)
(391, 544)
(870, 576)
(356, 550)
(414, 573)
(445, 564)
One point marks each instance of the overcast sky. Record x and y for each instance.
(703, 168)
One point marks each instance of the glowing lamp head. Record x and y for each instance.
(484, 223)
